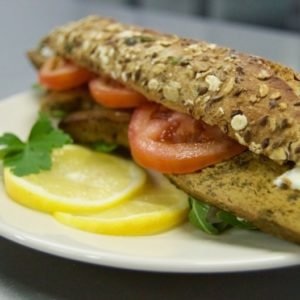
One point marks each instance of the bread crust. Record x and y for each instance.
(253, 100)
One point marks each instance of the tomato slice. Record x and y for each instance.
(113, 94)
(59, 74)
(172, 142)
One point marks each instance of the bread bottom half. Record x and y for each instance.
(242, 185)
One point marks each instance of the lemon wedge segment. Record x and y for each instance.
(158, 207)
(80, 180)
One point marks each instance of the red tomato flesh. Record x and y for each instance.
(112, 94)
(172, 142)
(58, 74)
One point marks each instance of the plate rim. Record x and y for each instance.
(128, 262)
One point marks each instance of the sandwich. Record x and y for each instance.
(223, 126)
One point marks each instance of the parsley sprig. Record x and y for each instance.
(38, 88)
(34, 155)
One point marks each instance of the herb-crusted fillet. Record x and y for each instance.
(255, 101)
(90, 126)
(244, 186)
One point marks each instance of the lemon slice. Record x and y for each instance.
(80, 180)
(159, 206)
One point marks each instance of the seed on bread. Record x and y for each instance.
(273, 103)
(253, 99)
(263, 121)
(263, 74)
(265, 143)
(239, 122)
(202, 88)
(275, 95)
(171, 91)
(278, 154)
(263, 90)
(256, 148)
(282, 106)
(214, 83)
(228, 86)
(153, 84)
(221, 111)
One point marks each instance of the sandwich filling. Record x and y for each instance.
(170, 142)
(159, 138)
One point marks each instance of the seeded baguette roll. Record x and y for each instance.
(253, 100)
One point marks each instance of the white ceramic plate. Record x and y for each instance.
(184, 249)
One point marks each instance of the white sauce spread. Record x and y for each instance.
(290, 178)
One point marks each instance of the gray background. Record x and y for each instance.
(284, 14)
(28, 274)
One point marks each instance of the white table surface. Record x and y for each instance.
(28, 274)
